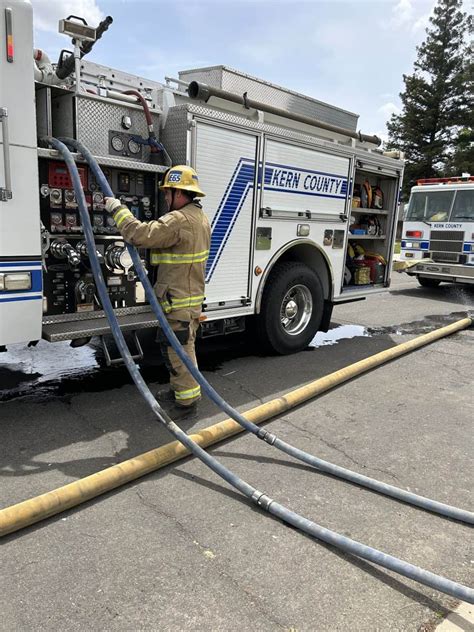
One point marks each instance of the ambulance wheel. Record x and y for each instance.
(292, 308)
(427, 282)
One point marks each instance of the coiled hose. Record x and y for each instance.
(321, 465)
(401, 567)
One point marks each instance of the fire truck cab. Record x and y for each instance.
(438, 231)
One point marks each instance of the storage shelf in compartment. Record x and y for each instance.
(378, 237)
(369, 211)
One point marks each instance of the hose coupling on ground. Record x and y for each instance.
(268, 437)
(262, 500)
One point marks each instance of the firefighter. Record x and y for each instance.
(179, 242)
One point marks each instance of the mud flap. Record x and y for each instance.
(326, 317)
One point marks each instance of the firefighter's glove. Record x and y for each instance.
(112, 204)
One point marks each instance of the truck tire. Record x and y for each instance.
(427, 282)
(292, 308)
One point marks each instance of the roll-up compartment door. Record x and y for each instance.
(302, 179)
(225, 163)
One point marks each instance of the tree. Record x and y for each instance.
(434, 128)
(462, 159)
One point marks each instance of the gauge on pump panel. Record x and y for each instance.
(117, 143)
(133, 146)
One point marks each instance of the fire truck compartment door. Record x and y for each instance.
(302, 180)
(225, 163)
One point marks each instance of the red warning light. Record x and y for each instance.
(10, 48)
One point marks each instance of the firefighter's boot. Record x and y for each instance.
(165, 396)
(178, 413)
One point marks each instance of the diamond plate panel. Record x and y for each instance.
(211, 76)
(174, 135)
(95, 118)
(56, 332)
(236, 119)
(259, 90)
(78, 316)
(343, 149)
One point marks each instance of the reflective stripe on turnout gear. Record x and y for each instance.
(181, 303)
(191, 393)
(170, 257)
(179, 243)
(182, 383)
(120, 215)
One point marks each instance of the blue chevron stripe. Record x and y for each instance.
(228, 211)
(323, 184)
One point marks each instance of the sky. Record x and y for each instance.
(350, 53)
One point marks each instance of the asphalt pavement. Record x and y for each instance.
(181, 550)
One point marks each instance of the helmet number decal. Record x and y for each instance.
(174, 176)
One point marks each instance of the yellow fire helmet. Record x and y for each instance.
(182, 177)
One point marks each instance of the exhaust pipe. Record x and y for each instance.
(204, 92)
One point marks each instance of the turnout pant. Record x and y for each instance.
(186, 390)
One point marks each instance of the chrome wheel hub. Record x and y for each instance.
(291, 309)
(296, 309)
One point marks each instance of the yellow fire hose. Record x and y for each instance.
(30, 511)
(402, 266)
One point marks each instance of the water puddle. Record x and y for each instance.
(55, 369)
(419, 327)
(24, 368)
(45, 361)
(52, 369)
(415, 328)
(333, 336)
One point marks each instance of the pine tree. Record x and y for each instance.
(438, 97)
(462, 158)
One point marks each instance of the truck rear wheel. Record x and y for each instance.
(292, 308)
(427, 282)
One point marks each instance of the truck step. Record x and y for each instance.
(70, 330)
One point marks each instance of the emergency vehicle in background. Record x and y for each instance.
(438, 231)
(283, 174)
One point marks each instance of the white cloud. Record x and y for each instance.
(405, 15)
(388, 109)
(47, 13)
(402, 13)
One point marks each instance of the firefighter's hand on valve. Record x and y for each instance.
(112, 204)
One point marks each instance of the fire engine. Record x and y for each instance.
(303, 207)
(438, 231)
